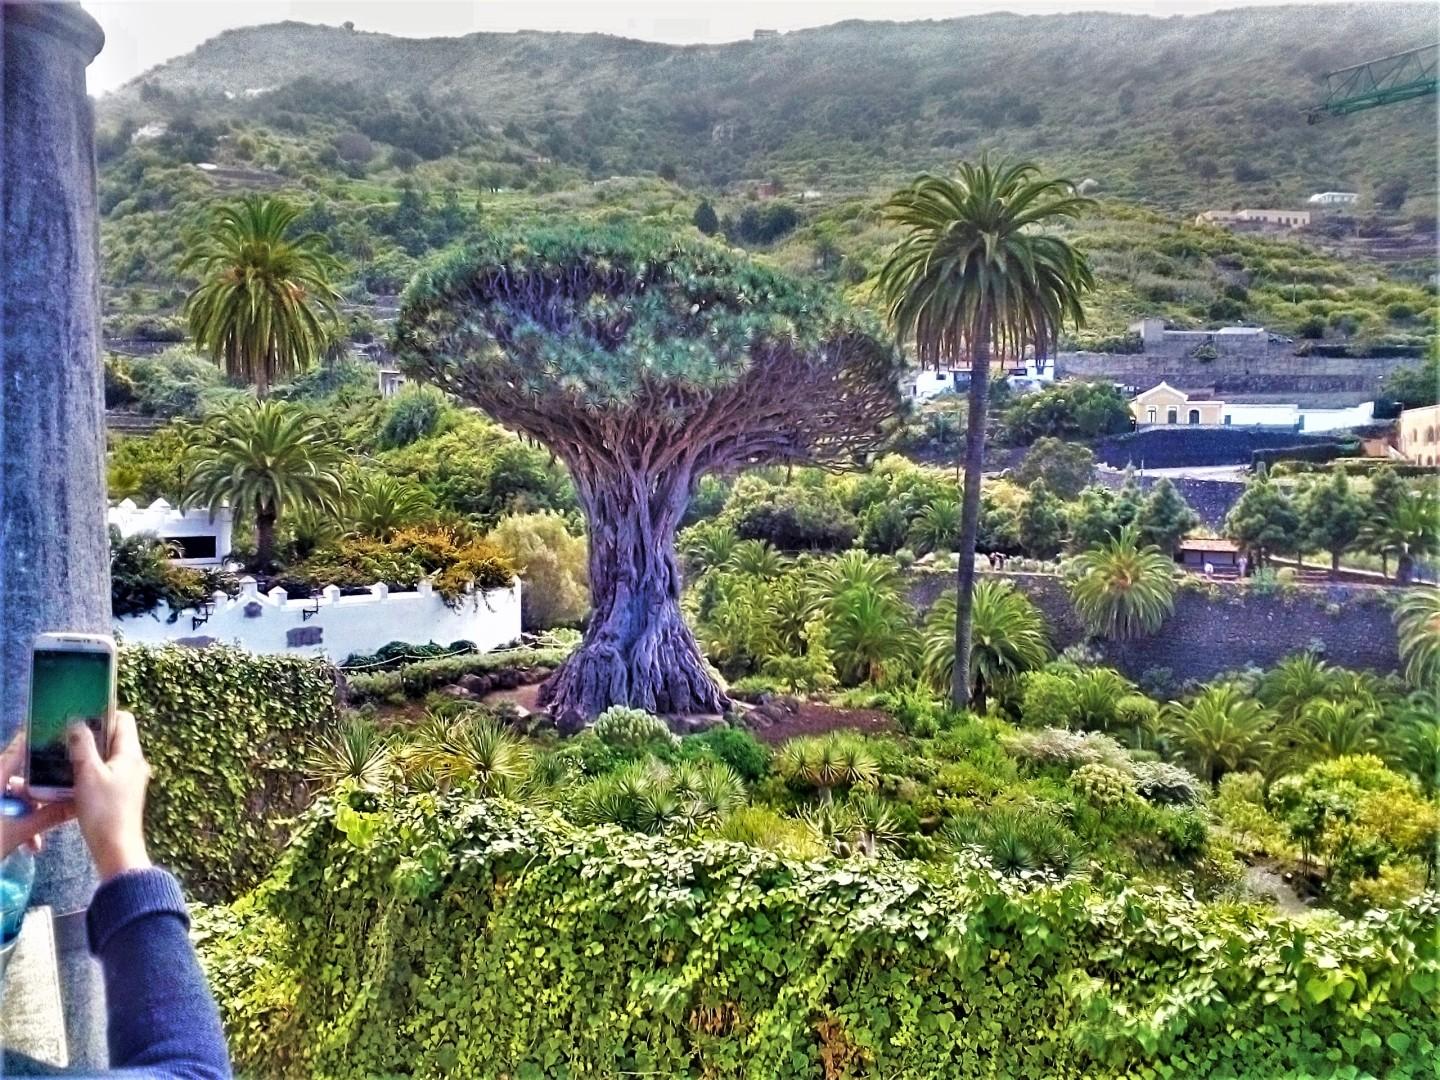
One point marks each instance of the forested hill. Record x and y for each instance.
(1180, 112)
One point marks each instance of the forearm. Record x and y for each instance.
(162, 1021)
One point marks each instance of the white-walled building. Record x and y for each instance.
(1333, 198)
(333, 626)
(1164, 404)
(201, 538)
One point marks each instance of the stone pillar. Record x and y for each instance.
(54, 557)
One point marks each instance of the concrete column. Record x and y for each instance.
(54, 557)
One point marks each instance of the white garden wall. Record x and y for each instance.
(334, 626)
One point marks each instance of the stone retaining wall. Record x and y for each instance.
(1226, 626)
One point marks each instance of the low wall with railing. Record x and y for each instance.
(332, 625)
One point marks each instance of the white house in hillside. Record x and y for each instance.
(389, 382)
(1333, 198)
(201, 538)
(1164, 404)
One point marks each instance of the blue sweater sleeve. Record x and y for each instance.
(162, 1023)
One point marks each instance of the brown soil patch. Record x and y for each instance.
(814, 718)
(523, 697)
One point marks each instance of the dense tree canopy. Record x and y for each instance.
(645, 361)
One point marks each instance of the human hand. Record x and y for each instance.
(110, 797)
(25, 830)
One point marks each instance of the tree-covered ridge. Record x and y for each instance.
(1173, 111)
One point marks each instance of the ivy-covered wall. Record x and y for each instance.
(441, 936)
(226, 733)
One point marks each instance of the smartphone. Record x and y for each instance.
(72, 680)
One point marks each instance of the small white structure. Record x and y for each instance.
(202, 538)
(333, 626)
(1310, 421)
(924, 385)
(389, 382)
(1333, 198)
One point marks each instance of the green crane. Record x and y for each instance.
(1386, 81)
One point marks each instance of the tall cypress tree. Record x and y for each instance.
(1165, 517)
(1264, 521)
(1331, 517)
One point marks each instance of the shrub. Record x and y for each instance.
(554, 564)
(226, 733)
(792, 518)
(1102, 785)
(418, 679)
(414, 414)
(1164, 784)
(1054, 746)
(455, 563)
(142, 578)
(738, 749)
(487, 941)
(622, 727)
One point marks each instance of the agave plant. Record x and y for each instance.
(876, 829)
(357, 753)
(827, 762)
(1221, 730)
(472, 749)
(1123, 589)
(1008, 638)
(1015, 840)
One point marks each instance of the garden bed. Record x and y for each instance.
(784, 718)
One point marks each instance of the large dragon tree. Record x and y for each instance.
(645, 361)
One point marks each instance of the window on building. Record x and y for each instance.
(1172, 416)
(193, 547)
(1150, 415)
(1228, 418)
(1194, 416)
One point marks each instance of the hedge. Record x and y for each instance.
(437, 935)
(418, 679)
(225, 732)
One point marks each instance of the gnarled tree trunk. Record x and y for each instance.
(637, 649)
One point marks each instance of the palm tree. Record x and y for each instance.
(264, 308)
(852, 569)
(1219, 731)
(1008, 638)
(1411, 532)
(262, 458)
(973, 279)
(869, 629)
(1294, 682)
(756, 558)
(937, 527)
(379, 504)
(1415, 739)
(1417, 624)
(1121, 589)
(1331, 729)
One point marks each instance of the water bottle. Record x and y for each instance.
(17, 875)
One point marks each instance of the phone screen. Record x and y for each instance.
(66, 687)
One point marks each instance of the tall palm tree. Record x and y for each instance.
(261, 458)
(1008, 638)
(1219, 731)
(264, 308)
(973, 278)
(1123, 589)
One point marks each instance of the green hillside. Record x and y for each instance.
(1182, 112)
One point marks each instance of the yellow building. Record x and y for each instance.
(1420, 435)
(1164, 404)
